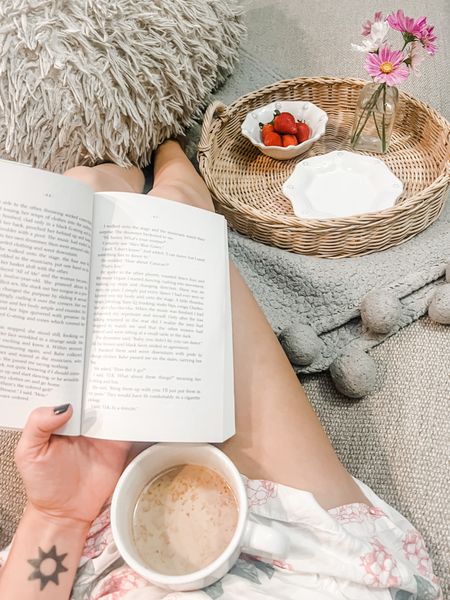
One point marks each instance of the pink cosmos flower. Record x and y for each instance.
(400, 22)
(416, 58)
(367, 26)
(427, 39)
(387, 66)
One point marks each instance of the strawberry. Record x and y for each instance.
(289, 140)
(265, 130)
(303, 132)
(272, 139)
(284, 123)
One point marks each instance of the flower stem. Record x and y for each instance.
(366, 113)
(383, 121)
(376, 125)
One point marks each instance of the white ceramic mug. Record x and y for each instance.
(250, 537)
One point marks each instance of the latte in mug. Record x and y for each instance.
(184, 519)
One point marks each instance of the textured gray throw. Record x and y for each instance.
(326, 293)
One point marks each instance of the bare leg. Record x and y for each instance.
(108, 177)
(278, 434)
(176, 179)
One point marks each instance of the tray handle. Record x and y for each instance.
(216, 110)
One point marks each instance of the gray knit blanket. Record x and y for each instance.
(326, 293)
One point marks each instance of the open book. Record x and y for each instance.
(117, 303)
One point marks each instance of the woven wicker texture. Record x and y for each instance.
(12, 495)
(246, 185)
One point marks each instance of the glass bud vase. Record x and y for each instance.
(374, 118)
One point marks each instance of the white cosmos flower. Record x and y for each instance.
(375, 39)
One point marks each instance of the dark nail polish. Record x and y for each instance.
(62, 408)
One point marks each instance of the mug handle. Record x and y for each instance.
(264, 541)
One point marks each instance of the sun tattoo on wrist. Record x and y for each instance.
(47, 567)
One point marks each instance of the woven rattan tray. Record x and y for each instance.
(246, 185)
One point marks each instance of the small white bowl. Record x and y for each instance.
(313, 116)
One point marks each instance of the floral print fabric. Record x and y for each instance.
(353, 552)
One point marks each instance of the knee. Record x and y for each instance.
(87, 175)
(184, 193)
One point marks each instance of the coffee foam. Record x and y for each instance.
(184, 519)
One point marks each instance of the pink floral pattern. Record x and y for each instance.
(259, 491)
(117, 583)
(416, 552)
(356, 513)
(373, 553)
(380, 566)
(282, 564)
(99, 535)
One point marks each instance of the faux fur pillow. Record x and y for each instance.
(86, 81)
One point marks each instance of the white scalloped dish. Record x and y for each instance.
(341, 184)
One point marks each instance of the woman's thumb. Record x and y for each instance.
(41, 423)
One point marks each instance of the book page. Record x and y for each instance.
(45, 237)
(157, 322)
(228, 406)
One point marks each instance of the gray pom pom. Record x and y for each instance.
(354, 373)
(380, 311)
(301, 344)
(439, 309)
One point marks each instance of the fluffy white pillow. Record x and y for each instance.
(83, 82)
